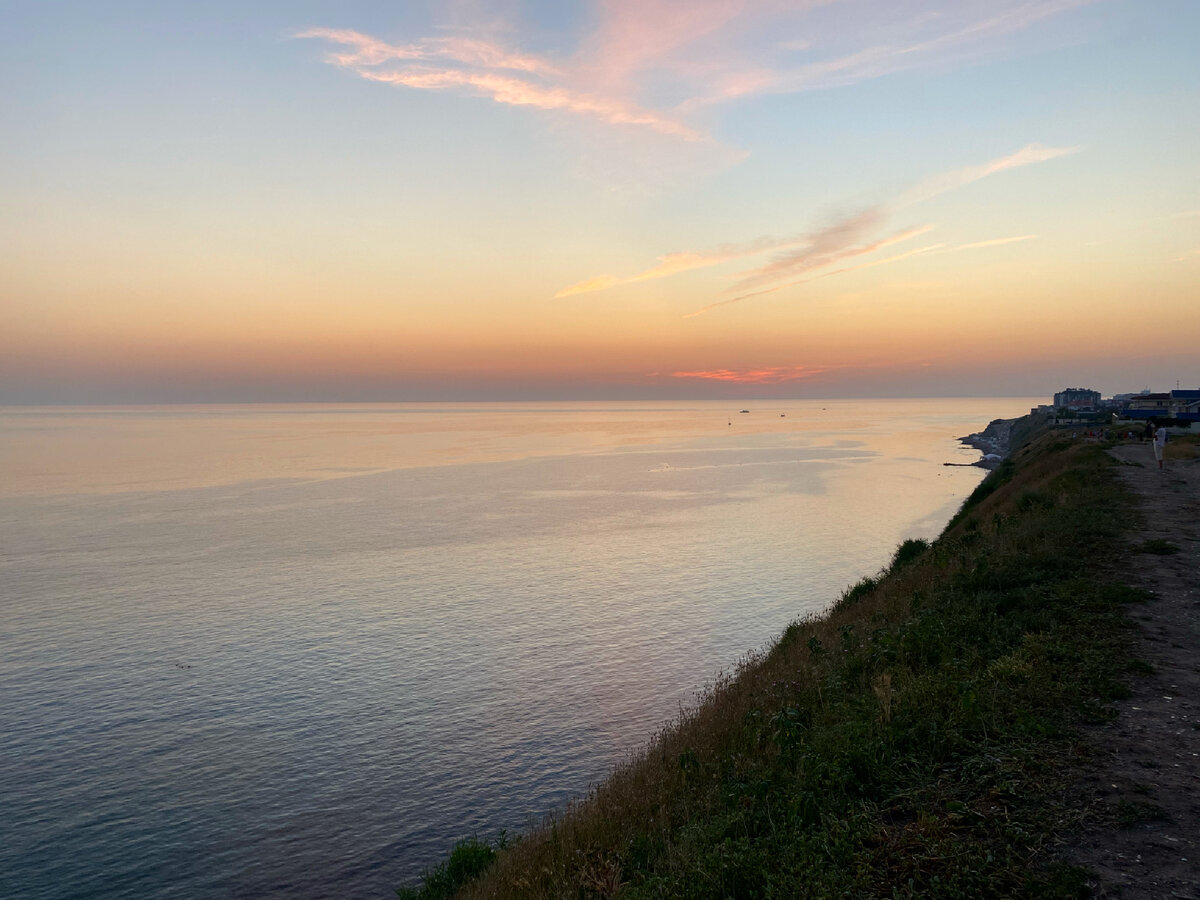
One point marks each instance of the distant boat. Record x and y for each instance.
(743, 410)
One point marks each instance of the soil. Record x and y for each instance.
(1146, 763)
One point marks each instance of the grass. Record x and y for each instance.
(1183, 447)
(467, 861)
(917, 741)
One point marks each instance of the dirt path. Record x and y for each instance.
(1149, 758)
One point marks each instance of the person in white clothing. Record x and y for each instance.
(1160, 443)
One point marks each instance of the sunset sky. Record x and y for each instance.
(304, 200)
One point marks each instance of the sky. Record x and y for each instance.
(625, 199)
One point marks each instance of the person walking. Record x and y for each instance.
(1160, 443)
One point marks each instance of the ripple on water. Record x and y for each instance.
(313, 687)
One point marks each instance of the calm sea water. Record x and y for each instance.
(266, 651)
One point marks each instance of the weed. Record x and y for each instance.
(858, 591)
(468, 860)
(907, 552)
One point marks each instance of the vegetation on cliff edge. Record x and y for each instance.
(917, 741)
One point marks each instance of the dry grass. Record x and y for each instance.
(1183, 446)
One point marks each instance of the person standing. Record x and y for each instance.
(1160, 443)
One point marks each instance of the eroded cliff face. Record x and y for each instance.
(1000, 436)
(993, 442)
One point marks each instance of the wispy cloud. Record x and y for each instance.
(683, 261)
(828, 246)
(815, 249)
(364, 50)
(995, 242)
(919, 251)
(653, 63)
(769, 375)
(487, 70)
(928, 250)
(922, 36)
(844, 239)
(949, 181)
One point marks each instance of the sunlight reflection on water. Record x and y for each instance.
(269, 651)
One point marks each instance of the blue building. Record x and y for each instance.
(1177, 404)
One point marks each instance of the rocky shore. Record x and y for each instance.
(993, 442)
(1001, 435)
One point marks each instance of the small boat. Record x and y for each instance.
(743, 410)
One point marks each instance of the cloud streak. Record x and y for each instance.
(903, 45)
(828, 246)
(958, 178)
(653, 64)
(364, 50)
(841, 240)
(920, 251)
(768, 375)
(994, 242)
(485, 69)
(683, 261)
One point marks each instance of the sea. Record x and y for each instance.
(300, 650)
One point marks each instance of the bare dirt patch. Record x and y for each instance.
(1147, 772)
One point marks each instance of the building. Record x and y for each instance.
(1150, 404)
(1186, 404)
(1178, 404)
(1077, 398)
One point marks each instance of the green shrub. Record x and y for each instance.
(468, 860)
(907, 552)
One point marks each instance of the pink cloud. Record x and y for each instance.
(368, 51)
(519, 92)
(653, 63)
(822, 247)
(835, 243)
(638, 35)
(770, 375)
(486, 69)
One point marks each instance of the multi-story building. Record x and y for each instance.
(1077, 398)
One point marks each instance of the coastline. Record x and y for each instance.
(926, 727)
(695, 590)
(994, 442)
(1000, 437)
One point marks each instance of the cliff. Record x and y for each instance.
(1001, 435)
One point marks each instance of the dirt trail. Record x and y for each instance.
(1148, 771)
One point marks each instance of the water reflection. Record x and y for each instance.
(376, 664)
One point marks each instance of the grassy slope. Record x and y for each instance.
(916, 742)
